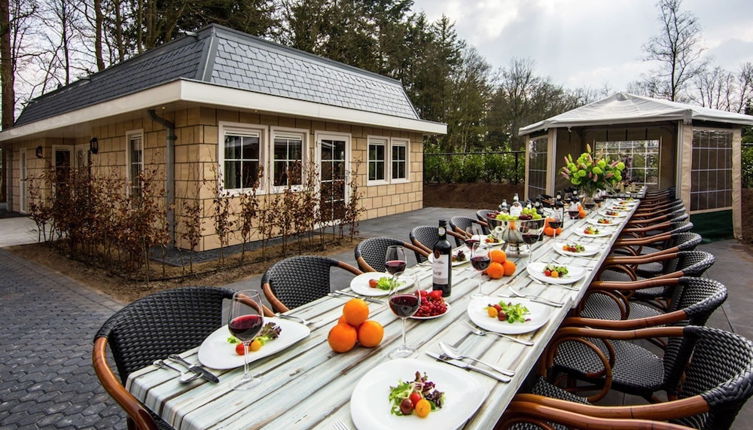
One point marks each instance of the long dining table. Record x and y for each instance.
(309, 386)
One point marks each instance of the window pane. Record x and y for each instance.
(326, 149)
(250, 148)
(250, 170)
(281, 149)
(711, 172)
(232, 174)
(232, 147)
(280, 171)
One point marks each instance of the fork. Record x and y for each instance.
(536, 299)
(481, 332)
(340, 425)
(293, 318)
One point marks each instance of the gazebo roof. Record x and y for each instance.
(623, 108)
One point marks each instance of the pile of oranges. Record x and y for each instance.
(549, 231)
(500, 265)
(355, 327)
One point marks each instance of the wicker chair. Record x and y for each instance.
(708, 388)
(459, 224)
(633, 244)
(296, 281)
(425, 237)
(370, 253)
(635, 369)
(151, 328)
(482, 214)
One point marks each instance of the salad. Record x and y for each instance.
(509, 312)
(268, 333)
(603, 221)
(573, 247)
(591, 230)
(554, 271)
(385, 283)
(419, 396)
(612, 213)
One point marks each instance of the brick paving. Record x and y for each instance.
(47, 322)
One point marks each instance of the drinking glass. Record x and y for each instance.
(404, 303)
(555, 222)
(572, 210)
(531, 232)
(480, 261)
(245, 320)
(395, 262)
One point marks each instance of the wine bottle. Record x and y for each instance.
(504, 207)
(442, 266)
(516, 209)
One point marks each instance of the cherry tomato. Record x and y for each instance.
(423, 407)
(548, 272)
(255, 345)
(239, 349)
(415, 397)
(492, 312)
(373, 283)
(555, 274)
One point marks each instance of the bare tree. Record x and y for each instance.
(714, 88)
(677, 50)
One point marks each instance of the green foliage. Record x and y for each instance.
(469, 168)
(747, 167)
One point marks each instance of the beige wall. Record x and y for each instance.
(196, 148)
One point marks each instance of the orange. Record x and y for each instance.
(355, 312)
(342, 320)
(497, 256)
(559, 230)
(342, 338)
(370, 333)
(509, 267)
(548, 231)
(495, 270)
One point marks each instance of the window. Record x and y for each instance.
(377, 159)
(711, 171)
(641, 158)
(399, 160)
(537, 159)
(135, 160)
(241, 158)
(288, 159)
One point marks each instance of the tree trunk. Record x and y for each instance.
(6, 67)
(98, 35)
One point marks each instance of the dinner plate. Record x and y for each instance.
(590, 249)
(538, 316)
(370, 405)
(596, 223)
(454, 263)
(482, 239)
(433, 316)
(536, 270)
(216, 352)
(603, 232)
(360, 284)
(619, 214)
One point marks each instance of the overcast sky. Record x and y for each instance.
(590, 43)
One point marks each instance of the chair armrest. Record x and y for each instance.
(630, 324)
(632, 285)
(277, 305)
(135, 409)
(642, 259)
(349, 268)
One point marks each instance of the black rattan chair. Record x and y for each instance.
(482, 215)
(459, 224)
(713, 380)
(370, 253)
(151, 328)
(296, 281)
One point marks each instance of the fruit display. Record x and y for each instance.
(419, 397)
(432, 304)
(554, 271)
(509, 312)
(573, 247)
(354, 327)
(269, 332)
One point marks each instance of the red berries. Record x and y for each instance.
(432, 304)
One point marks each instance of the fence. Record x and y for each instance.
(466, 167)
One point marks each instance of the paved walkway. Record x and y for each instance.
(48, 321)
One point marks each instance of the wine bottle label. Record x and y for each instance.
(441, 231)
(516, 210)
(440, 269)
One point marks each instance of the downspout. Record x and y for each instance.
(169, 171)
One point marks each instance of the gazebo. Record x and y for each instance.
(663, 143)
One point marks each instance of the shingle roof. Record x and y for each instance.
(230, 58)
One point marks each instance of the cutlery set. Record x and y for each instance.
(192, 372)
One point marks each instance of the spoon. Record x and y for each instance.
(455, 354)
(185, 376)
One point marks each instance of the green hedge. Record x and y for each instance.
(467, 168)
(747, 167)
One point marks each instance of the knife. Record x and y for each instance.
(343, 293)
(466, 366)
(195, 368)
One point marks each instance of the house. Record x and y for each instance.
(218, 105)
(664, 143)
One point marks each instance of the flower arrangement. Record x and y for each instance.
(591, 173)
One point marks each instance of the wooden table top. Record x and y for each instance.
(309, 386)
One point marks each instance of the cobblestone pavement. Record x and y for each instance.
(47, 322)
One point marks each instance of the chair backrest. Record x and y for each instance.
(686, 241)
(463, 223)
(426, 236)
(679, 227)
(296, 281)
(691, 263)
(481, 215)
(164, 323)
(720, 370)
(373, 251)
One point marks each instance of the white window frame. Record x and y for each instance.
(645, 154)
(320, 135)
(404, 143)
(129, 134)
(249, 129)
(284, 132)
(387, 159)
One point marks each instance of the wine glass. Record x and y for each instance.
(395, 262)
(480, 261)
(555, 222)
(473, 235)
(531, 232)
(404, 302)
(244, 322)
(572, 210)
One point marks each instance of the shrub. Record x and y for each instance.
(747, 167)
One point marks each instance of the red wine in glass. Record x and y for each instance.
(557, 223)
(574, 214)
(404, 305)
(395, 266)
(246, 327)
(480, 262)
(470, 242)
(531, 238)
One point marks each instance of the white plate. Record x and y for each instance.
(435, 316)
(589, 250)
(603, 232)
(454, 263)
(536, 270)
(482, 238)
(360, 284)
(619, 214)
(370, 406)
(538, 316)
(217, 353)
(593, 221)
